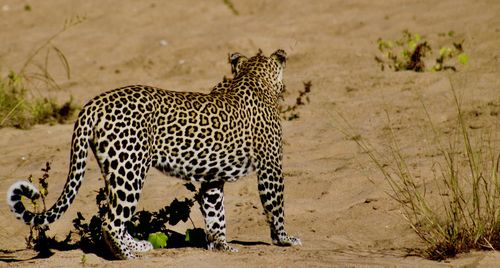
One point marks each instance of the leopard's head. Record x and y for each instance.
(270, 69)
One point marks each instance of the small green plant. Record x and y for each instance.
(409, 52)
(289, 112)
(448, 54)
(462, 212)
(406, 53)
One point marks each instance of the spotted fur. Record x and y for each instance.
(209, 138)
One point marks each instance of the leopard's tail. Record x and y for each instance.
(78, 160)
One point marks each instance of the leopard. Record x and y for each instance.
(208, 138)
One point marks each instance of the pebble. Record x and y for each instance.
(163, 43)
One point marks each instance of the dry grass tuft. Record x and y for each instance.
(464, 212)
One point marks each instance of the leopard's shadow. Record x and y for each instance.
(175, 240)
(178, 240)
(249, 243)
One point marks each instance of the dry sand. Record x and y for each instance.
(343, 217)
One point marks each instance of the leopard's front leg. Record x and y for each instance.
(212, 207)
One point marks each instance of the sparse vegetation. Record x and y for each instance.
(409, 52)
(289, 112)
(21, 104)
(20, 111)
(459, 208)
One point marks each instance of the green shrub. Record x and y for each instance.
(408, 54)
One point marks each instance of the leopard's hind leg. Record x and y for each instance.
(124, 175)
(123, 195)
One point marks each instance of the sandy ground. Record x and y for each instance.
(335, 200)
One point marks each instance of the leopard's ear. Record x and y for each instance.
(279, 56)
(236, 60)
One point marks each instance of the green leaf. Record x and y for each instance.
(158, 239)
(417, 37)
(437, 67)
(463, 58)
(412, 45)
(445, 52)
(406, 53)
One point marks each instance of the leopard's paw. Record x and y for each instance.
(287, 241)
(222, 246)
